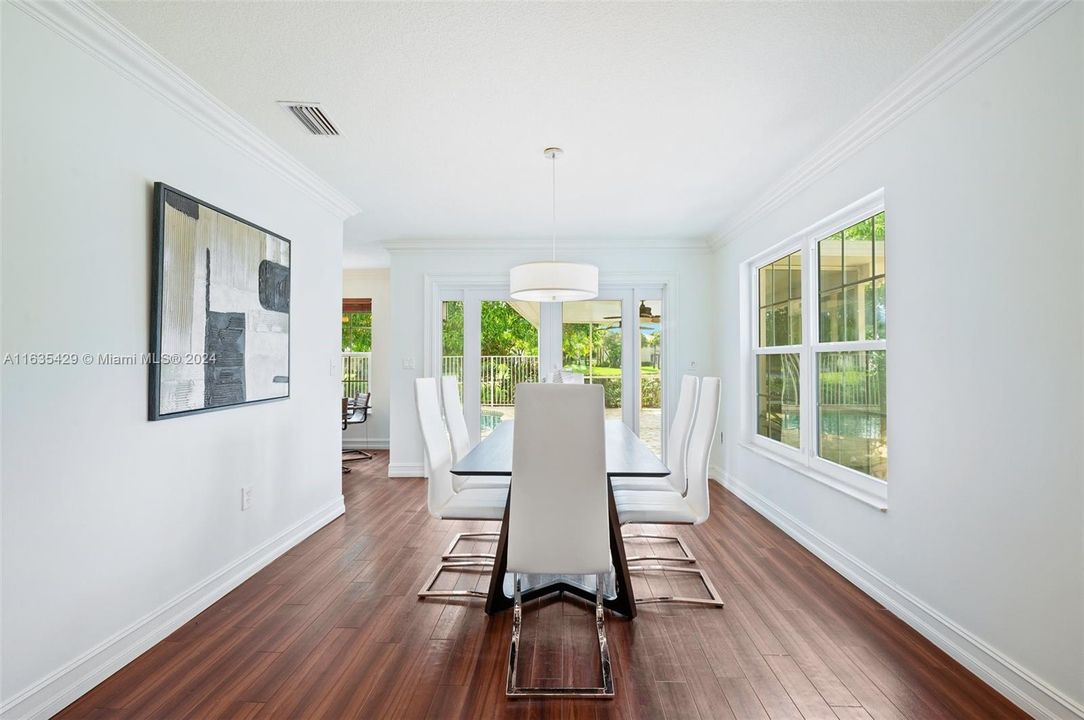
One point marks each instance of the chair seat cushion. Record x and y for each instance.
(642, 484)
(476, 504)
(653, 506)
(483, 482)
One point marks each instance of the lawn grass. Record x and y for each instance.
(607, 371)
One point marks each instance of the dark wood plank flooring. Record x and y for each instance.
(333, 629)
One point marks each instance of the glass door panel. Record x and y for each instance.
(491, 343)
(508, 355)
(650, 361)
(592, 346)
(451, 334)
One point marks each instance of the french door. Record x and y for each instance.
(492, 343)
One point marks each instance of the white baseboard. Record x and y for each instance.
(73, 680)
(363, 444)
(1029, 692)
(412, 470)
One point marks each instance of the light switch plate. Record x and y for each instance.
(408, 363)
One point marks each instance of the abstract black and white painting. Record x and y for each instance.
(220, 325)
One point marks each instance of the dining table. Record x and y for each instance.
(626, 456)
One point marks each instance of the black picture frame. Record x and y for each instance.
(157, 306)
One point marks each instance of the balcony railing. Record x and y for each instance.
(501, 373)
(356, 373)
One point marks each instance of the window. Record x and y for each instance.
(357, 344)
(780, 333)
(357, 325)
(509, 356)
(451, 334)
(851, 425)
(650, 314)
(819, 345)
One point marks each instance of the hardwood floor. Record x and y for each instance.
(333, 629)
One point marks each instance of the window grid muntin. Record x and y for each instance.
(877, 273)
(774, 304)
(786, 428)
(869, 410)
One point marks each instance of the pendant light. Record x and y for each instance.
(552, 281)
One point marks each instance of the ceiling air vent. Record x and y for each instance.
(311, 116)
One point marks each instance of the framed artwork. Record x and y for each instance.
(220, 309)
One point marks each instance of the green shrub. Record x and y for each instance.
(650, 391)
(611, 388)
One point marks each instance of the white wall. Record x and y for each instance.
(373, 284)
(107, 518)
(689, 268)
(983, 536)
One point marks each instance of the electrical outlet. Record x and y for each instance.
(408, 363)
(246, 497)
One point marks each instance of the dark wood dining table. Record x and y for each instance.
(626, 456)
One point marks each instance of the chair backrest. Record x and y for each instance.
(346, 411)
(700, 444)
(453, 415)
(569, 378)
(360, 411)
(677, 443)
(437, 451)
(558, 519)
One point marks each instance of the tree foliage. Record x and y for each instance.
(358, 332)
(504, 331)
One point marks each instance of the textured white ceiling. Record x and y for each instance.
(672, 116)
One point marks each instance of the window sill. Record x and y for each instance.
(876, 497)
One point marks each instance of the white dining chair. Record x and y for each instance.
(461, 445)
(677, 445)
(669, 507)
(442, 500)
(558, 514)
(564, 377)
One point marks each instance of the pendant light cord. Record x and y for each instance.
(553, 159)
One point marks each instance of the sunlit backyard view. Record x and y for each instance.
(591, 346)
(357, 341)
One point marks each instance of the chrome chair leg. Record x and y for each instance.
(687, 557)
(714, 600)
(427, 588)
(449, 554)
(604, 691)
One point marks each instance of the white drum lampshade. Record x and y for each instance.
(553, 282)
(550, 280)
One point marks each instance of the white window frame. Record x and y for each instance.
(863, 487)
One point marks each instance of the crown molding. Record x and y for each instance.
(990, 30)
(96, 32)
(495, 245)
